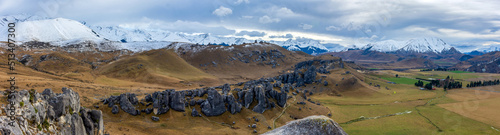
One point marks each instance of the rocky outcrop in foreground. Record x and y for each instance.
(50, 113)
(312, 125)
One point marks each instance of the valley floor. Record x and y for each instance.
(405, 109)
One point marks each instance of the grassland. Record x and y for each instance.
(460, 72)
(432, 112)
(401, 80)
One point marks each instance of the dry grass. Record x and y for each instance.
(478, 105)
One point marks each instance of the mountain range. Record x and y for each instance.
(61, 32)
(428, 52)
(416, 45)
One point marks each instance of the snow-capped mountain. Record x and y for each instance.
(5, 20)
(306, 45)
(116, 33)
(61, 31)
(421, 45)
(385, 46)
(486, 50)
(418, 45)
(54, 30)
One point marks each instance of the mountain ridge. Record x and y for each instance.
(61, 31)
(415, 45)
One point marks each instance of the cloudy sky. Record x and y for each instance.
(465, 24)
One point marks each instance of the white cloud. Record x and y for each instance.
(333, 28)
(241, 1)
(305, 26)
(222, 11)
(287, 36)
(178, 26)
(267, 19)
(247, 17)
(284, 12)
(488, 43)
(250, 33)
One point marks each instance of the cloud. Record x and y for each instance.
(241, 1)
(267, 19)
(247, 17)
(333, 28)
(250, 33)
(305, 26)
(178, 26)
(222, 11)
(282, 36)
(284, 12)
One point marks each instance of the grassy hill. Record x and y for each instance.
(155, 66)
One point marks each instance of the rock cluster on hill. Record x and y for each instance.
(269, 58)
(51, 113)
(258, 95)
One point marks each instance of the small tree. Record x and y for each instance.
(428, 86)
(397, 75)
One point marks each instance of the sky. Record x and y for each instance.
(465, 24)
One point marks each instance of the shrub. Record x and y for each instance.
(45, 124)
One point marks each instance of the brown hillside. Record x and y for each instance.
(160, 66)
(239, 62)
(472, 63)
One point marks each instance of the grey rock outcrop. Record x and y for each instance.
(248, 98)
(225, 89)
(52, 111)
(115, 109)
(312, 125)
(214, 105)
(260, 97)
(195, 113)
(232, 106)
(126, 105)
(281, 98)
(161, 102)
(154, 118)
(65, 102)
(177, 101)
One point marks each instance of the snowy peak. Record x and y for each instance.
(52, 30)
(62, 32)
(385, 46)
(19, 18)
(306, 45)
(418, 45)
(422, 45)
(303, 43)
(116, 33)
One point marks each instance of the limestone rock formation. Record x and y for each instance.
(50, 113)
(214, 105)
(312, 125)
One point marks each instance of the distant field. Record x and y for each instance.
(401, 80)
(443, 74)
(460, 72)
(443, 62)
